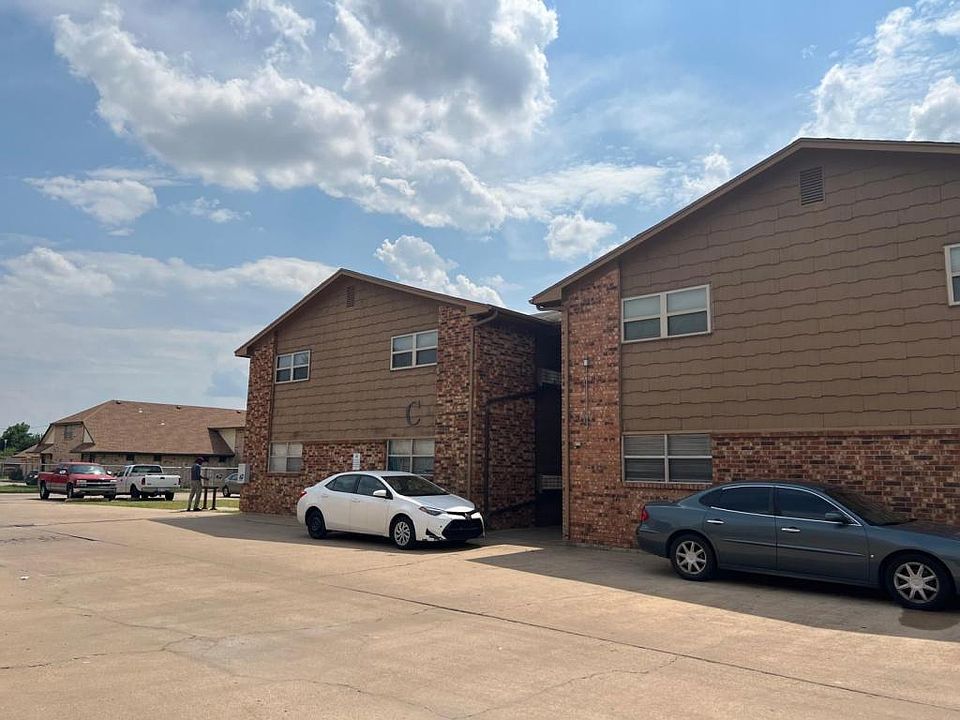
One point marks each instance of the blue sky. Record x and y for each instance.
(177, 173)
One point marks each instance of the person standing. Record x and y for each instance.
(196, 485)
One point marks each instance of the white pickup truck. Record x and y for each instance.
(146, 481)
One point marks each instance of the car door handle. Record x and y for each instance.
(790, 529)
(714, 521)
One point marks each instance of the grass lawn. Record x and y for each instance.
(18, 488)
(222, 503)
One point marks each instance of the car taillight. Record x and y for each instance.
(644, 515)
(302, 493)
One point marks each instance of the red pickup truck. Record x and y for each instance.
(76, 479)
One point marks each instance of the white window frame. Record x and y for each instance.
(291, 355)
(286, 456)
(414, 349)
(951, 299)
(412, 455)
(664, 315)
(666, 457)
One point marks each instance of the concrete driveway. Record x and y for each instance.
(130, 612)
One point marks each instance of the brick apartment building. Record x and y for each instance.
(367, 371)
(800, 321)
(117, 432)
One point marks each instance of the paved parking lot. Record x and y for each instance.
(129, 612)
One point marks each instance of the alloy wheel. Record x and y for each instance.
(691, 557)
(402, 533)
(916, 581)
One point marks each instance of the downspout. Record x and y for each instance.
(473, 395)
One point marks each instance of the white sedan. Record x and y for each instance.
(404, 507)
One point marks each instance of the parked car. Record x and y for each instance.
(805, 530)
(404, 507)
(76, 480)
(231, 485)
(31, 477)
(146, 481)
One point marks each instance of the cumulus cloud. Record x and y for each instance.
(896, 83)
(416, 262)
(706, 174)
(114, 202)
(208, 208)
(574, 236)
(292, 29)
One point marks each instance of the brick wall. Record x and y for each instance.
(915, 471)
(505, 366)
(257, 431)
(450, 463)
(277, 493)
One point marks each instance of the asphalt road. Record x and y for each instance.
(110, 612)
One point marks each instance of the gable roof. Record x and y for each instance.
(126, 426)
(552, 296)
(471, 306)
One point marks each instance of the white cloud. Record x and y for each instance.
(895, 82)
(144, 328)
(574, 236)
(209, 208)
(291, 28)
(707, 173)
(416, 262)
(114, 202)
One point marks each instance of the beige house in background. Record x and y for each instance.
(118, 432)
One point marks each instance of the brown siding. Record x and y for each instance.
(352, 393)
(831, 315)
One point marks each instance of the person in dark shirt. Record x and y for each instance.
(196, 485)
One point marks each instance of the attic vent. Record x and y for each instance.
(351, 296)
(811, 185)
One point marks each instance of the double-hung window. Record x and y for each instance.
(667, 314)
(414, 455)
(286, 457)
(952, 253)
(680, 458)
(413, 350)
(293, 367)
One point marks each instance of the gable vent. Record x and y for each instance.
(811, 185)
(351, 296)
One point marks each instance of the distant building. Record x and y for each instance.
(117, 432)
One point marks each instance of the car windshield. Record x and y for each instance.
(413, 485)
(870, 510)
(87, 470)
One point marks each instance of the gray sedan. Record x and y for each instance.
(805, 530)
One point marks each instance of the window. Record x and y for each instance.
(286, 457)
(667, 458)
(413, 350)
(952, 253)
(69, 431)
(158, 458)
(741, 499)
(414, 456)
(344, 483)
(130, 457)
(802, 505)
(667, 314)
(367, 485)
(293, 367)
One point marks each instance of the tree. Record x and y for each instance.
(16, 438)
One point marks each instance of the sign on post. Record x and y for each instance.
(356, 461)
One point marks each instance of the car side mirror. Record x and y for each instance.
(836, 517)
(380, 493)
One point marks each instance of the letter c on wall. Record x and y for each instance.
(411, 407)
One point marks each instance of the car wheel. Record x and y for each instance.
(918, 582)
(168, 496)
(225, 491)
(693, 558)
(108, 498)
(69, 492)
(44, 492)
(315, 524)
(134, 492)
(402, 533)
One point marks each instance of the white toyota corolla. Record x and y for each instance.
(404, 507)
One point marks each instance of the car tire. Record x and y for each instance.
(44, 491)
(69, 491)
(692, 557)
(403, 533)
(168, 496)
(918, 582)
(316, 527)
(135, 493)
(109, 498)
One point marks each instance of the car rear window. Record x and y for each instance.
(742, 499)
